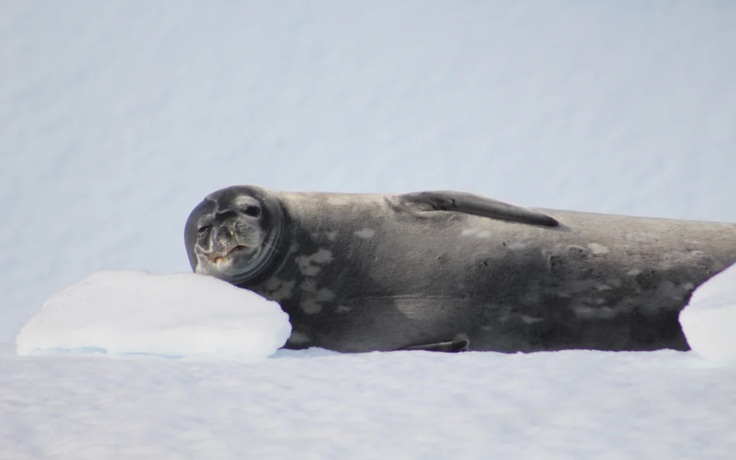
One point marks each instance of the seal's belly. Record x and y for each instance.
(383, 323)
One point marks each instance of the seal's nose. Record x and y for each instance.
(223, 238)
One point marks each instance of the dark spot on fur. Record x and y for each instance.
(647, 279)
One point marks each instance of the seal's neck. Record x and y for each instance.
(269, 255)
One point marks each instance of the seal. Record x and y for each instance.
(452, 271)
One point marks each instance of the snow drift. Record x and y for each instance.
(177, 315)
(709, 320)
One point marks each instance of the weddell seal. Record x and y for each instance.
(452, 271)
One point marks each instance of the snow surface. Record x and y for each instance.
(709, 320)
(178, 315)
(399, 405)
(117, 117)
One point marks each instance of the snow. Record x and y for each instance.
(321, 405)
(709, 320)
(116, 118)
(177, 315)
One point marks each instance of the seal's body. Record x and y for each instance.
(449, 270)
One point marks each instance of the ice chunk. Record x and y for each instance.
(174, 315)
(709, 320)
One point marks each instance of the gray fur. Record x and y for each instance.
(449, 270)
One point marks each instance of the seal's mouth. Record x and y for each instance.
(235, 250)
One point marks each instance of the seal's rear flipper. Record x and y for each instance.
(446, 347)
(476, 205)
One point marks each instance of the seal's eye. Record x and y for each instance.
(203, 230)
(253, 211)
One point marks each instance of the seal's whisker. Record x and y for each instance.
(272, 247)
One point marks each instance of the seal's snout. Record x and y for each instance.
(226, 237)
(222, 256)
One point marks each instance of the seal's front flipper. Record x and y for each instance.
(454, 346)
(476, 205)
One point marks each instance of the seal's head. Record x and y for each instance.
(233, 233)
